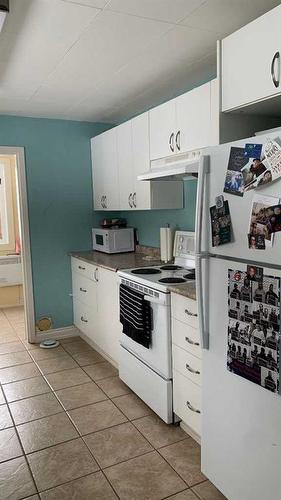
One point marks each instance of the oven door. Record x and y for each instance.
(159, 355)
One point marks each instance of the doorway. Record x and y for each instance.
(17, 321)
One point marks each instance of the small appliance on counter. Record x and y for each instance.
(166, 243)
(108, 223)
(113, 239)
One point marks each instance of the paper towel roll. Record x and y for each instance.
(166, 244)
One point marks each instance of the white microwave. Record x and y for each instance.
(113, 240)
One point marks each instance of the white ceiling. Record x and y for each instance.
(107, 60)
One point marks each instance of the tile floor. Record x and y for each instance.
(70, 429)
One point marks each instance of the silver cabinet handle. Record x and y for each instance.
(102, 202)
(178, 145)
(82, 268)
(191, 341)
(105, 201)
(276, 57)
(130, 200)
(171, 142)
(96, 275)
(83, 289)
(84, 320)
(189, 313)
(191, 408)
(191, 370)
(135, 200)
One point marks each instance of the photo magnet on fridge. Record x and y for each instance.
(253, 150)
(274, 218)
(254, 328)
(234, 179)
(256, 241)
(221, 224)
(261, 219)
(254, 273)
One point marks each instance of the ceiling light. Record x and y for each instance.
(4, 9)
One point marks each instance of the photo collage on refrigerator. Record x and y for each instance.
(254, 326)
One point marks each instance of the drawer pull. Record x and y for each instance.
(83, 289)
(191, 408)
(84, 320)
(191, 341)
(81, 267)
(191, 370)
(189, 313)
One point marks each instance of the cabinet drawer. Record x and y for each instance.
(187, 364)
(186, 337)
(187, 401)
(185, 310)
(84, 289)
(85, 319)
(83, 268)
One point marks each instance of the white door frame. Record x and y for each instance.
(18, 153)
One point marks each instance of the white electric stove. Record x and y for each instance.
(148, 371)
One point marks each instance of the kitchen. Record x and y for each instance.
(154, 254)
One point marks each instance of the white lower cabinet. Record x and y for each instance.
(187, 365)
(95, 307)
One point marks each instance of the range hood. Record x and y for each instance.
(182, 166)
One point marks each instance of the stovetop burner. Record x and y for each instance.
(146, 270)
(172, 280)
(189, 276)
(170, 267)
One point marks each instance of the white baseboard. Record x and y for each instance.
(190, 432)
(57, 333)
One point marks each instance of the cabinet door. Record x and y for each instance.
(97, 147)
(141, 162)
(110, 170)
(247, 57)
(162, 123)
(125, 165)
(108, 312)
(193, 111)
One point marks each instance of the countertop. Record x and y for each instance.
(186, 289)
(117, 261)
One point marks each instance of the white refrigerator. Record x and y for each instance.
(241, 420)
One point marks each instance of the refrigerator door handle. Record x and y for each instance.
(202, 289)
(202, 173)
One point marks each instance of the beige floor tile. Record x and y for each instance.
(5, 417)
(34, 497)
(61, 463)
(29, 409)
(40, 354)
(96, 417)
(144, 478)
(25, 388)
(207, 491)
(117, 444)
(87, 357)
(92, 487)
(80, 395)
(15, 358)
(67, 378)
(2, 399)
(77, 346)
(10, 347)
(157, 432)
(9, 444)
(69, 340)
(100, 371)
(113, 387)
(30, 347)
(132, 406)
(60, 363)
(15, 480)
(185, 458)
(8, 337)
(20, 372)
(184, 495)
(46, 432)
(14, 312)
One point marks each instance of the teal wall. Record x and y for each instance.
(148, 222)
(59, 184)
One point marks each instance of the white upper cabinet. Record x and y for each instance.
(125, 165)
(141, 162)
(162, 121)
(105, 171)
(184, 123)
(250, 62)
